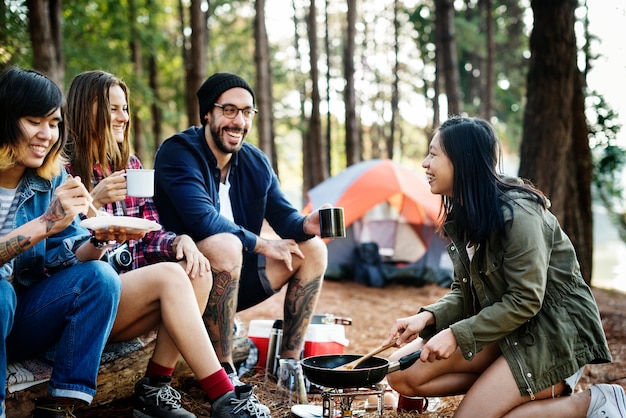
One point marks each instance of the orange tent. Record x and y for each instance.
(382, 197)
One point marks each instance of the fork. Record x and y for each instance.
(98, 212)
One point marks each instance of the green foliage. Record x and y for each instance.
(98, 34)
(609, 159)
(14, 37)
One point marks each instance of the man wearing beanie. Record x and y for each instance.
(219, 189)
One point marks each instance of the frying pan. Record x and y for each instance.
(322, 370)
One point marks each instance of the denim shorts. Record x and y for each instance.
(572, 381)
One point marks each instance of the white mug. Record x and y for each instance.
(140, 183)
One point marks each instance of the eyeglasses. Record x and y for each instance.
(231, 111)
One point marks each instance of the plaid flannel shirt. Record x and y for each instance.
(155, 246)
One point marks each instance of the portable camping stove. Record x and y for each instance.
(341, 400)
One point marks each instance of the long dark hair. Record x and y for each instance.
(28, 93)
(477, 202)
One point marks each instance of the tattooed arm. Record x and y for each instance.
(12, 247)
(69, 200)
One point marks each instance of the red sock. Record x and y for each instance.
(155, 369)
(216, 385)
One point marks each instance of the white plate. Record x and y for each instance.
(104, 222)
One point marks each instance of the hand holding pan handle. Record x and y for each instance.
(404, 362)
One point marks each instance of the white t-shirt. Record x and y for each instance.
(226, 208)
(471, 250)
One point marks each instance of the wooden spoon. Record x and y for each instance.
(354, 363)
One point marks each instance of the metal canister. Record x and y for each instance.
(273, 347)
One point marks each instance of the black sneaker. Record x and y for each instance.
(49, 408)
(158, 401)
(245, 388)
(238, 403)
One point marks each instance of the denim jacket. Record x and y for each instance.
(57, 251)
(187, 192)
(526, 292)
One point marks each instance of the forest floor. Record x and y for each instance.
(373, 310)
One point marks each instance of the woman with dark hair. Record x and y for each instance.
(520, 323)
(168, 283)
(54, 292)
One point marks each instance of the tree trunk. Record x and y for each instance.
(195, 64)
(578, 216)
(263, 89)
(353, 148)
(555, 152)
(314, 149)
(153, 81)
(135, 50)
(488, 95)
(395, 99)
(548, 118)
(45, 25)
(444, 26)
(155, 108)
(329, 118)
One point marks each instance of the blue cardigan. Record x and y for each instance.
(187, 192)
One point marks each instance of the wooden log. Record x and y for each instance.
(116, 379)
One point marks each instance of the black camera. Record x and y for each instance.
(121, 258)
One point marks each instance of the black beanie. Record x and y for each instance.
(213, 88)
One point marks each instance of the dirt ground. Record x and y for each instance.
(372, 311)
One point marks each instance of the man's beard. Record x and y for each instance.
(220, 143)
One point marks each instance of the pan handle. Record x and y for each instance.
(404, 362)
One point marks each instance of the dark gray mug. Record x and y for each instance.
(331, 223)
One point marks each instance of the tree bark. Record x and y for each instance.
(263, 89)
(489, 79)
(395, 95)
(555, 152)
(45, 25)
(353, 145)
(578, 215)
(444, 27)
(329, 117)
(548, 117)
(136, 58)
(153, 81)
(195, 63)
(314, 161)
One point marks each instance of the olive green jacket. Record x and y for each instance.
(526, 292)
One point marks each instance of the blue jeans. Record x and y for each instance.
(72, 311)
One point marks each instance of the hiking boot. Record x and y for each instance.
(158, 400)
(245, 388)
(607, 401)
(239, 403)
(49, 408)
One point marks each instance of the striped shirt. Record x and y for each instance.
(8, 208)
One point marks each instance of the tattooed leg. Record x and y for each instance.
(300, 301)
(13, 247)
(219, 316)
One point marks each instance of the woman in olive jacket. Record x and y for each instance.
(519, 323)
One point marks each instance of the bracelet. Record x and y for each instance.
(100, 245)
